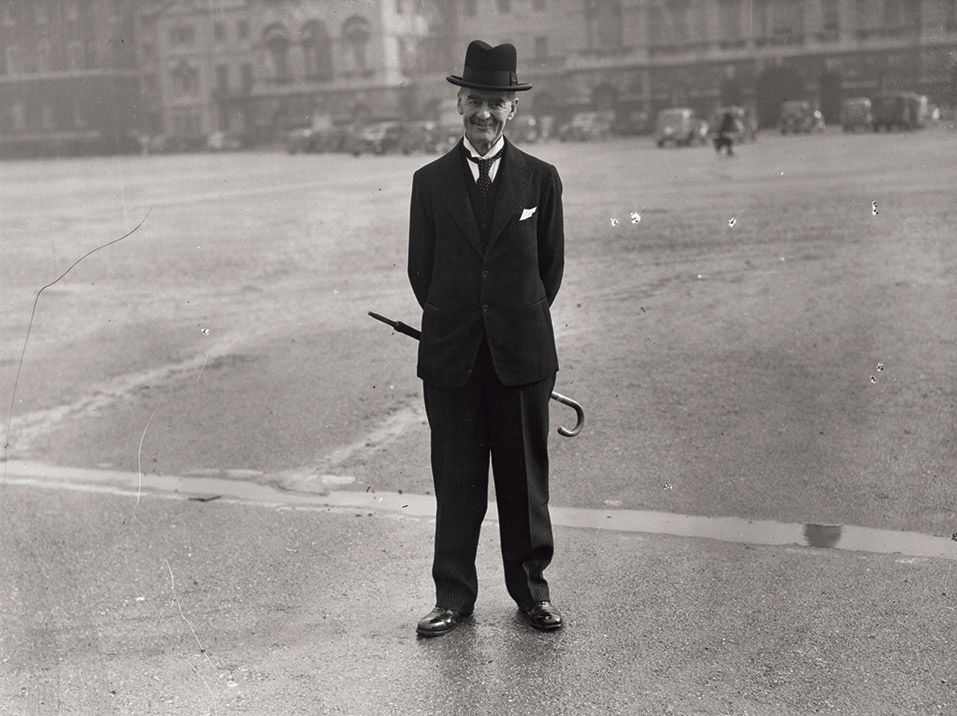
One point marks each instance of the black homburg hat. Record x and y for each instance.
(489, 68)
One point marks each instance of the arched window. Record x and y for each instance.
(356, 33)
(276, 42)
(316, 50)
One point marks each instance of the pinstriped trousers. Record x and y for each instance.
(469, 425)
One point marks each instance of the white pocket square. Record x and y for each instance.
(527, 213)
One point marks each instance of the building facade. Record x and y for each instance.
(196, 57)
(86, 74)
(68, 77)
(650, 54)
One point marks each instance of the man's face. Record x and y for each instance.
(485, 114)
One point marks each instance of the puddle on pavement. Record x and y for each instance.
(725, 529)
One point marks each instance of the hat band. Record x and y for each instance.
(495, 78)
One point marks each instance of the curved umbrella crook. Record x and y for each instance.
(579, 414)
(563, 431)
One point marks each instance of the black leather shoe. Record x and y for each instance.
(440, 621)
(544, 616)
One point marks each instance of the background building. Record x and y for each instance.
(81, 75)
(68, 77)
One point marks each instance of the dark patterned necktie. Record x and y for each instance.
(484, 181)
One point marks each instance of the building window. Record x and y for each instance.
(74, 55)
(18, 117)
(185, 79)
(219, 31)
(41, 12)
(46, 118)
(603, 18)
(242, 29)
(470, 7)
(246, 76)
(187, 123)
(832, 15)
(892, 13)
(277, 53)
(316, 50)
(541, 48)
(222, 78)
(9, 19)
(504, 5)
(78, 118)
(44, 56)
(729, 20)
(181, 35)
(678, 11)
(72, 11)
(538, 4)
(356, 32)
(12, 55)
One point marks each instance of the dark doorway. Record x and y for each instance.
(831, 95)
(731, 92)
(774, 86)
(604, 97)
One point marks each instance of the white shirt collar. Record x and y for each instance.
(491, 152)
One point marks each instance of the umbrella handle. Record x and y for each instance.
(579, 413)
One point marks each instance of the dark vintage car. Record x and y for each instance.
(378, 138)
(586, 126)
(899, 110)
(326, 139)
(799, 117)
(856, 114)
(679, 126)
(420, 136)
(523, 129)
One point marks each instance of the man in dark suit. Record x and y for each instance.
(486, 255)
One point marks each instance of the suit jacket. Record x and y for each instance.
(502, 291)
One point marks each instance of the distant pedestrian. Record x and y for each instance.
(728, 131)
(486, 256)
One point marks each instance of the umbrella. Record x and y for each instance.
(415, 333)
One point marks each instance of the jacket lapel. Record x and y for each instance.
(455, 194)
(511, 192)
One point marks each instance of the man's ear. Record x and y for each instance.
(458, 103)
(514, 108)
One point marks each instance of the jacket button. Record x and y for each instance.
(484, 307)
(485, 274)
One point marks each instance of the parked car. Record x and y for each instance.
(378, 138)
(744, 118)
(220, 141)
(523, 129)
(418, 137)
(631, 123)
(799, 117)
(900, 110)
(585, 126)
(856, 114)
(679, 126)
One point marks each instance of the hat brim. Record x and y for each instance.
(456, 80)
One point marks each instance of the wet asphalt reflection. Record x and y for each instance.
(726, 529)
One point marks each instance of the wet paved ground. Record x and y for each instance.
(169, 605)
(787, 380)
